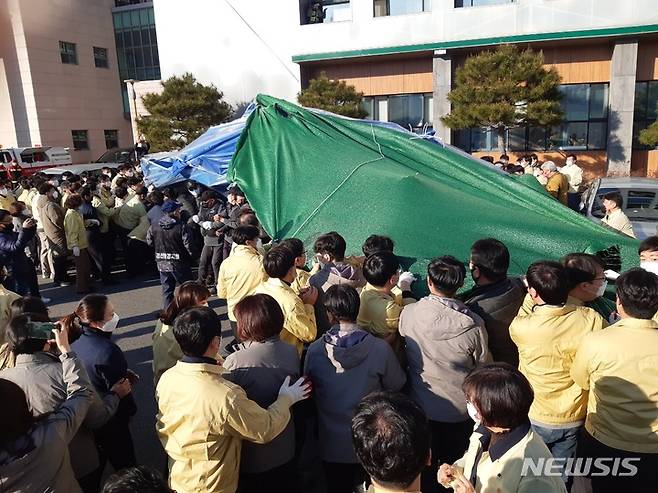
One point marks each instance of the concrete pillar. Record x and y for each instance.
(622, 101)
(441, 83)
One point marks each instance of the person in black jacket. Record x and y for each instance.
(91, 327)
(173, 240)
(496, 297)
(212, 253)
(23, 275)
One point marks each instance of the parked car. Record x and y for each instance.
(640, 202)
(76, 169)
(120, 156)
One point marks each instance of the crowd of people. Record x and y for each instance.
(334, 358)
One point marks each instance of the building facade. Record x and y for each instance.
(402, 54)
(62, 66)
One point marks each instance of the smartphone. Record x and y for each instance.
(42, 330)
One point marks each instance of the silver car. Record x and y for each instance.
(640, 202)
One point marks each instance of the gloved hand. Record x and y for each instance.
(76, 251)
(206, 224)
(405, 280)
(611, 274)
(195, 218)
(92, 222)
(298, 391)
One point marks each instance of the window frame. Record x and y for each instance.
(77, 141)
(376, 102)
(111, 138)
(501, 2)
(426, 8)
(96, 50)
(641, 122)
(68, 53)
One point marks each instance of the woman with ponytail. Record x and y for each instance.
(92, 323)
(166, 351)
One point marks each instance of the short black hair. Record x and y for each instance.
(242, 234)
(331, 244)
(140, 479)
(377, 243)
(637, 290)
(488, 159)
(134, 180)
(615, 197)
(295, 245)
(446, 274)
(343, 302)
(17, 333)
(391, 438)
(45, 187)
(501, 394)
(550, 280)
(581, 267)
(534, 156)
(491, 257)
(278, 262)
(650, 244)
(575, 158)
(194, 330)
(503, 156)
(380, 267)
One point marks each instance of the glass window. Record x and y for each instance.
(598, 135)
(368, 105)
(645, 113)
(322, 11)
(111, 139)
(136, 43)
(479, 3)
(536, 138)
(68, 53)
(575, 101)
(516, 138)
(117, 21)
(384, 8)
(598, 101)
(100, 57)
(80, 140)
(144, 17)
(406, 111)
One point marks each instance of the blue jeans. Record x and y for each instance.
(560, 441)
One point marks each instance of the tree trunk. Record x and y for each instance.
(502, 141)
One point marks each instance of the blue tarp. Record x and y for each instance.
(206, 159)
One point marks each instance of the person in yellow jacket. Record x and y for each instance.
(301, 282)
(299, 326)
(614, 215)
(380, 307)
(547, 339)
(241, 272)
(202, 418)
(76, 241)
(7, 197)
(7, 297)
(619, 368)
(505, 455)
(166, 351)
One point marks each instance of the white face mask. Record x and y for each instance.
(111, 324)
(650, 266)
(601, 289)
(194, 193)
(4, 191)
(473, 413)
(55, 194)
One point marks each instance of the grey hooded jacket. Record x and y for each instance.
(344, 366)
(39, 461)
(40, 377)
(444, 341)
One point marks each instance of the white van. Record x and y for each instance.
(33, 159)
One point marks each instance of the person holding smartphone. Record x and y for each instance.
(34, 452)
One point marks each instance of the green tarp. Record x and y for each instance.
(307, 173)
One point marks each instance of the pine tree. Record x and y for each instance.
(181, 113)
(504, 88)
(332, 95)
(649, 136)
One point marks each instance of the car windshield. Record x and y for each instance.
(114, 157)
(639, 203)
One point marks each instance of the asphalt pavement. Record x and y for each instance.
(137, 302)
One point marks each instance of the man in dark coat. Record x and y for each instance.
(172, 238)
(496, 297)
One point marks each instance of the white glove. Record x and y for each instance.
(611, 274)
(405, 280)
(298, 391)
(206, 224)
(92, 222)
(195, 218)
(76, 251)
